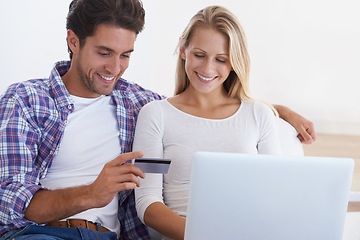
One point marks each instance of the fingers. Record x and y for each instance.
(123, 177)
(130, 169)
(304, 127)
(116, 171)
(104, 188)
(122, 158)
(311, 131)
(125, 181)
(117, 167)
(115, 177)
(302, 140)
(307, 135)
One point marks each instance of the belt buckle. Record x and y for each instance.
(87, 224)
(68, 224)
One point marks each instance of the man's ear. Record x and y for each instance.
(73, 41)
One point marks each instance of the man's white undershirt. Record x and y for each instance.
(91, 139)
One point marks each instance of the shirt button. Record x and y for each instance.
(69, 107)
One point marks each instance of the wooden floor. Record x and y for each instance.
(334, 146)
(338, 146)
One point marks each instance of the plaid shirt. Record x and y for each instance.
(33, 116)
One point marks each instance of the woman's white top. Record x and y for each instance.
(164, 131)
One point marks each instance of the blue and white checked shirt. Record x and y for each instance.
(33, 116)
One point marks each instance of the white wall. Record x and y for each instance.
(32, 38)
(305, 54)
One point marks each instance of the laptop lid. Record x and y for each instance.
(240, 196)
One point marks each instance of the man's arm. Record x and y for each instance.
(304, 127)
(47, 206)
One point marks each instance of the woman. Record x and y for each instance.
(212, 110)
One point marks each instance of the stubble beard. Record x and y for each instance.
(90, 83)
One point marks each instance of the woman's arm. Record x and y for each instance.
(151, 209)
(304, 127)
(269, 139)
(165, 221)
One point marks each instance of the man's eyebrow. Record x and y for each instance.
(112, 50)
(129, 51)
(105, 48)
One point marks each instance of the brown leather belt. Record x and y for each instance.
(74, 223)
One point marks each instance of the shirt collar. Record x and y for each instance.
(61, 94)
(58, 89)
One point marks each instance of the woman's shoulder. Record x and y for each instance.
(258, 107)
(154, 104)
(153, 107)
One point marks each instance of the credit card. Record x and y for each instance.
(153, 165)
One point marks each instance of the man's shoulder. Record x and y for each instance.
(134, 92)
(28, 89)
(27, 99)
(39, 86)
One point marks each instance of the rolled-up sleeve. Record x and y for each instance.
(19, 175)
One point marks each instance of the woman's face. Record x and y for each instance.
(207, 62)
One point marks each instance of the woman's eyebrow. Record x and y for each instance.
(219, 54)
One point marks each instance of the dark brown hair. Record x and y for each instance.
(85, 15)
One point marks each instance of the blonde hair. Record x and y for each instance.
(221, 19)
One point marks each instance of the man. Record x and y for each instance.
(86, 107)
(65, 141)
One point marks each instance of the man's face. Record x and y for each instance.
(101, 61)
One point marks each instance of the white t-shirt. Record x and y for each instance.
(91, 139)
(166, 132)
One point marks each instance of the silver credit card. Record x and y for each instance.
(153, 165)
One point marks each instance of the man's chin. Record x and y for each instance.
(105, 91)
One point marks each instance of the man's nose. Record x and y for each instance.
(113, 66)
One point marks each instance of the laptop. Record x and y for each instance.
(266, 197)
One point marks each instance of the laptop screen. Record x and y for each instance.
(240, 196)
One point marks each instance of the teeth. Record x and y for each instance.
(106, 78)
(204, 78)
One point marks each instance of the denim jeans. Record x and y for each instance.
(33, 232)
